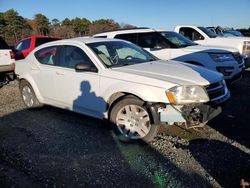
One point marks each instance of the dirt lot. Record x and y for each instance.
(56, 148)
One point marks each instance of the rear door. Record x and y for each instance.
(43, 72)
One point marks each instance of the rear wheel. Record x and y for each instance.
(131, 120)
(28, 95)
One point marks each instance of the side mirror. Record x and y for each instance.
(82, 67)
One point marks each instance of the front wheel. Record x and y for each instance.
(131, 120)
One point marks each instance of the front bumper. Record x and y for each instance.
(231, 71)
(189, 114)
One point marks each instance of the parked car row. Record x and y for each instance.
(136, 78)
(8, 56)
(204, 36)
(171, 45)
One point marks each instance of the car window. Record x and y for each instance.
(128, 37)
(72, 56)
(23, 45)
(191, 34)
(152, 40)
(177, 39)
(120, 53)
(103, 54)
(124, 53)
(210, 33)
(19, 46)
(40, 41)
(47, 56)
(26, 44)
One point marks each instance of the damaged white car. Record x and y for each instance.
(117, 80)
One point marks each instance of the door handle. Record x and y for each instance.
(59, 73)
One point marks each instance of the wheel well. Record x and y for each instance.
(194, 63)
(117, 96)
(114, 97)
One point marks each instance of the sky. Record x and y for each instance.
(142, 13)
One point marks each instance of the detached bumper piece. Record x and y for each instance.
(195, 115)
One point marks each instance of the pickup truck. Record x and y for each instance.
(204, 36)
(6, 62)
(25, 46)
(171, 45)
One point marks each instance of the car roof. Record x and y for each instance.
(85, 40)
(127, 31)
(88, 40)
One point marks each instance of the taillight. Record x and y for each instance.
(12, 55)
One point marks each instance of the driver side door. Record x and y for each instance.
(78, 91)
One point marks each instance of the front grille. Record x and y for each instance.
(238, 58)
(216, 91)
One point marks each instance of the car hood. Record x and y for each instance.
(230, 40)
(159, 72)
(235, 38)
(209, 49)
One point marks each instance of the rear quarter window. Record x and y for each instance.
(47, 56)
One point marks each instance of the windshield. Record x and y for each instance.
(233, 33)
(209, 33)
(119, 53)
(177, 39)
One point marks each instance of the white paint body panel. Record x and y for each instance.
(62, 87)
(198, 53)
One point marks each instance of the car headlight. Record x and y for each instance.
(246, 48)
(187, 94)
(221, 57)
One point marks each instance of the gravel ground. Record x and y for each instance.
(50, 147)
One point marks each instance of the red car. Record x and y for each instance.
(25, 46)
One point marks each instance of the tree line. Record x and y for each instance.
(14, 27)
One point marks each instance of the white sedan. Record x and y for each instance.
(117, 80)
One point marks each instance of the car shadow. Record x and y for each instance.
(234, 120)
(57, 148)
(53, 147)
(228, 170)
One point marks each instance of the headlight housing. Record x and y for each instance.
(187, 94)
(222, 57)
(246, 48)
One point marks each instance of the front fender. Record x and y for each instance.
(145, 92)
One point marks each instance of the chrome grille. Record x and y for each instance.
(238, 58)
(216, 91)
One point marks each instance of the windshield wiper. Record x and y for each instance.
(120, 65)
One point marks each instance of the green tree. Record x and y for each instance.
(15, 24)
(103, 25)
(66, 22)
(2, 24)
(55, 22)
(67, 29)
(80, 26)
(41, 24)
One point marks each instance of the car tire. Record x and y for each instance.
(28, 95)
(131, 120)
